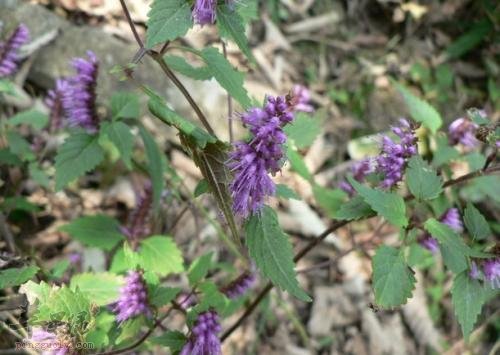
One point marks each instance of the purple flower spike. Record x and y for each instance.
(463, 131)
(50, 342)
(491, 270)
(204, 11)
(204, 339)
(392, 161)
(252, 162)
(79, 100)
(239, 286)
(452, 219)
(54, 102)
(9, 50)
(359, 171)
(133, 299)
(303, 98)
(429, 243)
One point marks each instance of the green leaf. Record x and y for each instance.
(228, 77)
(201, 188)
(16, 276)
(58, 270)
(34, 118)
(119, 134)
(7, 87)
(248, 10)
(9, 158)
(96, 231)
(304, 130)
(19, 146)
(470, 39)
(420, 110)
(444, 153)
(199, 268)
(173, 339)
(355, 208)
(422, 180)
(79, 154)
(271, 250)
(168, 20)
(38, 175)
(285, 192)
(163, 295)
(330, 200)
(387, 204)
(230, 25)
(160, 110)
(453, 247)
(476, 223)
(102, 288)
(179, 64)
(468, 297)
(160, 255)
(393, 279)
(124, 105)
(18, 203)
(155, 165)
(298, 163)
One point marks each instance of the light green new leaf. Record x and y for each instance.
(102, 288)
(271, 250)
(468, 297)
(228, 77)
(155, 165)
(393, 279)
(119, 134)
(16, 276)
(124, 105)
(355, 208)
(160, 255)
(453, 247)
(304, 130)
(79, 154)
(180, 65)
(168, 20)
(98, 231)
(475, 222)
(230, 24)
(34, 118)
(422, 180)
(387, 204)
(420, 110)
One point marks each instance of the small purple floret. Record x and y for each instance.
(252, 162)
(392, 161)
(204, 11)
(303, 97)
(429, 243)
(452, 219)
(463, 131)
(359, 171)
(133, 299)
(204, 338)
(9, 50)
(239, 286)
(491, 270)
(79, 100)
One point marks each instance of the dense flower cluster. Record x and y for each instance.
(204, 11)
(9, 50)
(359, 171)
(137, 224)
(452, 219)
(50, 342)
(392, 161)
(252, 162)
(463, 131)
(133, 299)
(54, 102)
(204, 339)
(302, 97)
(239, 286)
(79, 99)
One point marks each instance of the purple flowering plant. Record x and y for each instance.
(148, 282)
